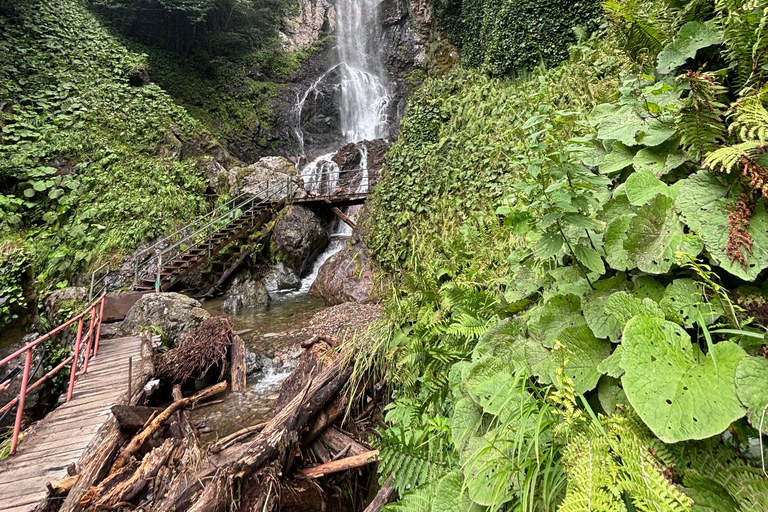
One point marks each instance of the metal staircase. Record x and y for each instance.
(175, 256)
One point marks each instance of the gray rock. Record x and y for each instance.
(175, 314)
(245, 291)
(297, 238)
(63, 304)
(253, 362)
(218, 177)
(310, 22)
(346, 276)
(272, 171)
(281, 278)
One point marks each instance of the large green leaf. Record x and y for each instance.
(610, 394)
(598, 320)
(655, 234)
(659, 160)
(626, 125)
(642, 186)
(615, 236)
(752, 388)
(559, 313)
(580, 351)
(486, 470)
(679, 392)
(622, 307)
(684, 301)
(694, 36)
(618, 159)
(703, 202)
(466, 421)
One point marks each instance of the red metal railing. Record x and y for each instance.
(93, 314)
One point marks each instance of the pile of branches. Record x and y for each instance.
(205, 347)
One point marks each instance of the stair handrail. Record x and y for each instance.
(207, 228)
(186, 227)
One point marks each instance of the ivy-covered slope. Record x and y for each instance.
(578, 311)
(89, 163)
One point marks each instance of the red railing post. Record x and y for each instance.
(73, 373)
(22, 399)
(90, 338)
(98, 327)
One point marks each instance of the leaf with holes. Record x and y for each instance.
(752, 388)
(615, 236)
(560, 312)
(679, 392)
(684, 300)
(621, 307)
(703, 203)
(655, 234)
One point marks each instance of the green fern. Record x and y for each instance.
(743, 23)
(700, 120)
(645, 26)
(729, 158)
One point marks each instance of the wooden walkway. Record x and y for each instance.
(63, 436)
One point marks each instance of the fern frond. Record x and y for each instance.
(728, 158)
(750, 118)
(700, 119)
(743, 24)
(411, 458)
(646, 26)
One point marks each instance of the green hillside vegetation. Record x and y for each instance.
(89, 166)
(578, 313)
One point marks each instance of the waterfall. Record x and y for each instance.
(360, 80)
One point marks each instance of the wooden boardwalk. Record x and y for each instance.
(63, 437)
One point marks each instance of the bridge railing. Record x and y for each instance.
(89, 342)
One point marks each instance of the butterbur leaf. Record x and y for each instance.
(752, 388)
(655, 234)
(449, 496)
(467, 418)
(489, 480)
(602, 324)
(611, 365)
(610, 394)
(684, 300)
(558, 313)
(622, 307)
(642, 186)
(679, 392)
(617, 160)
(648, 287)
(704, 202)
(657, 161)
(693, 36)
(615, 236)
(581, 352)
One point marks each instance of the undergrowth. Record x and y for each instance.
(565, 329)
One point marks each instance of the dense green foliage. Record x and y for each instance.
(88, 163)
(569, 327)
(505, 37)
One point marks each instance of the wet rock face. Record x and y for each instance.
(281, 278)
(177, 315)
(346, 277)
(245, 291)
(298, 238)
(63, 304)
(313, 20)
(270, 171)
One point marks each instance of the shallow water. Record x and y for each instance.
(276, 328)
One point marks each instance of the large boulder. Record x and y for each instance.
(63, 304)
(175, 314)
(346, 276)
(245, 291)
(281, 278)
(298, 238)
(270, 171)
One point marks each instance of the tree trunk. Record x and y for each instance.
(238, 365)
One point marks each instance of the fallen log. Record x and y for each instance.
(237, 365)
(327, 417)
(337, 442)
(188, 432)
(335, 466)
(272, 444)
(128, 489)
(132, 417)
(385, 495)
(236, 437)
(61, 487)
(136, 443)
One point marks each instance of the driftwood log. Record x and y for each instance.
(138, 441)
(385, 495)
(238, 364)
(275, 444)
(335, 466)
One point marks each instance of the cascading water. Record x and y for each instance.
(364, 95)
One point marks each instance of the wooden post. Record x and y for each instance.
(130, 376)
(238, 365)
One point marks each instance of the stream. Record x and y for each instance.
(277, 328)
